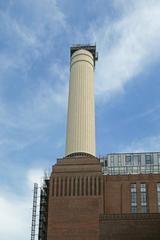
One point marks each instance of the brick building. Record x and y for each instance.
(88, 198)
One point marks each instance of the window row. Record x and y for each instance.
(76, 186)
(136, 159)
(131, 160)
(143, 197)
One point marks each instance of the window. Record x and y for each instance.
(133, 198)
(133, 209)
(137, 159)
(106, 163)
(144, 208)
(128, 160)
(158, 196)
(148, 159)
(112, 161)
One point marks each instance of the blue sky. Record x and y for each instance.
(35, 37)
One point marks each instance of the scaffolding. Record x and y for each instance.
(34, 212)
(43, 211)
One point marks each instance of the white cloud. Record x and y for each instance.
(147, 144)
(42, 108)
(127, 45)
(32, 32)
(62, 72)
(44, 103)
(14, 219)
(16, 210)
(31, 119)
(35, 176)
(5, 64)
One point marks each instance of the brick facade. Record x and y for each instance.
(75, 199)
(86, 205)
(130, 227)
(117, 196)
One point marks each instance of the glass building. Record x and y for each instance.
(131, 163)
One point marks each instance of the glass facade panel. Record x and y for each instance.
(133, 187)
(143, 187)
(137, 159)
(133, 198)
(144, 209)
(133, 209)
(131, 163)
(158, 196)
(143, 198)
(148, 159)
(112, 161)
(128, 160)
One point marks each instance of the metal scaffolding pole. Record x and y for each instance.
(34, 211)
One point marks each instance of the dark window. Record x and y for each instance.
(148, 159)
(106, 163)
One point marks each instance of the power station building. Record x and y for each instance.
(115, 197)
